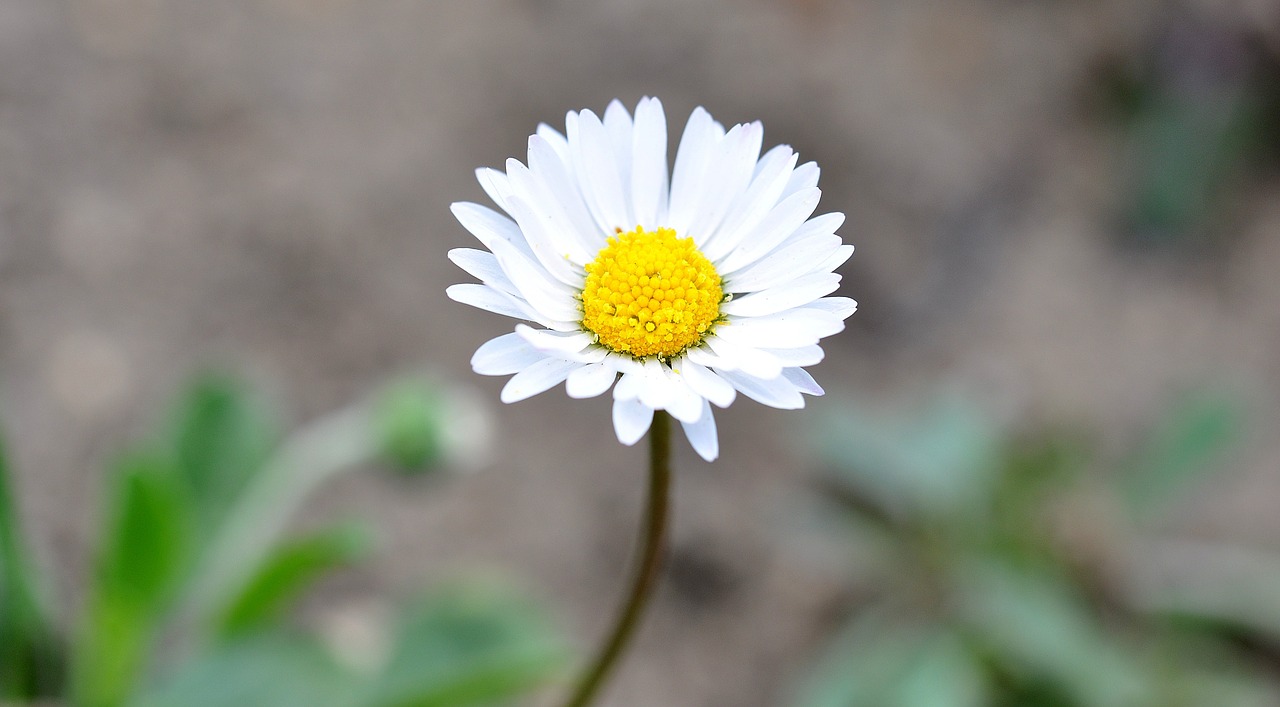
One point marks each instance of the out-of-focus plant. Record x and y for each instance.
(189, 601)
(1198, 107)
(30, 656)
(1028, 570)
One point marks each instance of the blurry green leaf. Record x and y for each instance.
(879, 663)
(1219, 589)
(470, 645)
(940, 462)
(222, 435)
(147, 541)
(144, 553)
(1185, 447)
(1226, 688)
(1188, 147)
(266, 670)
(1037, 629)
(1039, 465)
(29, 660)
(408, 418)
(289, 570)
(1036, 470)
(467, 646)
(1201, 114)
(1185, 150)
(1023, 633)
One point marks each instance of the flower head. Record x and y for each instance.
(684, 288)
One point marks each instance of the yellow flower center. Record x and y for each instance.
(649, 293)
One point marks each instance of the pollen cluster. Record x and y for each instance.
(649, 293)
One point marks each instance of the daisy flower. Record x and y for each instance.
(677, 289)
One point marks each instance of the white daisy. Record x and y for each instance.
(692, 293)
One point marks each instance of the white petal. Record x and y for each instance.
(548, 297)
(834, 260)
(761, 196)
(489, 299)
(801, 379)
(706, 383)
(794, 327)
(697, 145)
(685, 404)
(590, 381)
(629, 385)
(504, 355)
(749, 360)
(791, 260)
(631, 419)
(576, 171)
(541, 376)
(617, 123)
(557, 142)
(727, 177)
(554, 342)
(544, 244)
(623, 363)
(495, 184)
(773, 229)
(822, 224)
(841, 307)
(557, 196)
(649, 163)
(794, 294)
(591, 354)
(598, 167)
(704, 356)
(488, 226)
(702, 434)
(484, 266)
(805, 177)
(799, 356)
(657, 391)
(778, 392)
(564, 236)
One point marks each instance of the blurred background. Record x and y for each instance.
(1067, 217)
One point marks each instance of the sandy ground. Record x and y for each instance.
(264, 185)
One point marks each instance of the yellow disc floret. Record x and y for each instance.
(649, 293)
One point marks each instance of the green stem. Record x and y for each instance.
(653, 540)
(311, 456)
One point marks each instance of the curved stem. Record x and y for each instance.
(333, 444)
(653, 540)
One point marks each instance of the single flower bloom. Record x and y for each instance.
(684, 287)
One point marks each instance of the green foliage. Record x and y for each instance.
(940, 463)
(289, 571)
(1037, 627)
(277, 668)
(409, 418)
(221, 435)
(996, 581)
(886, 660)
(462, 647)
(147, 537)
(144, 552)
(1184, 448)
(1197, 112)
(30, 664)
(194, 582)
(468, 645)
